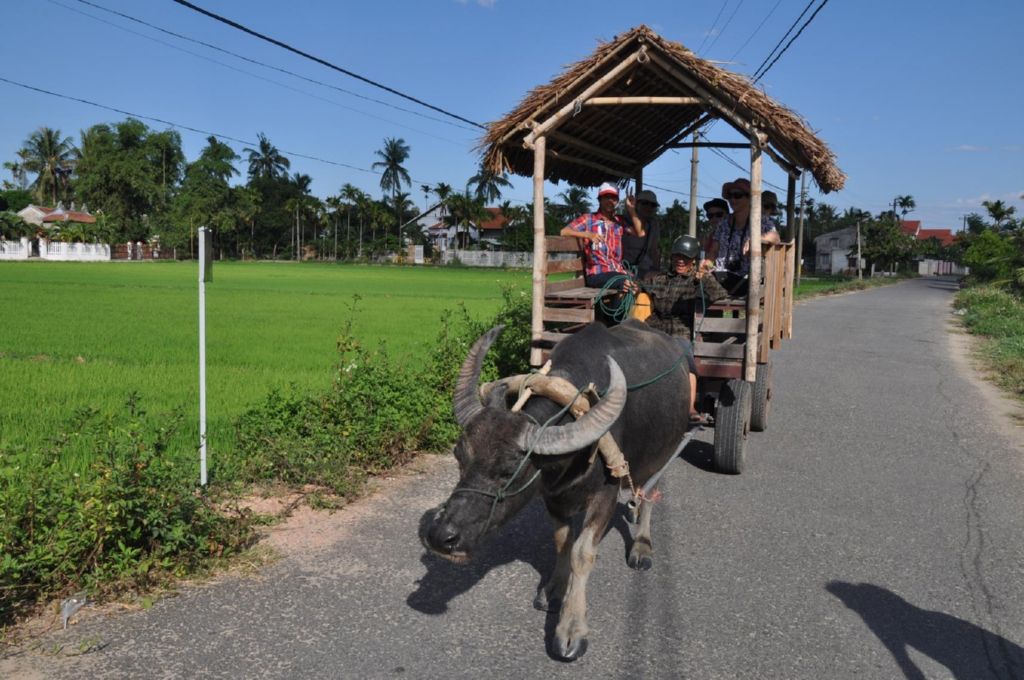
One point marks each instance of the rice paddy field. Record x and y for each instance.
(76, 335)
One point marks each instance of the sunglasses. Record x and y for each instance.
(738, 194)
(771, 208)
(650, 203)
(714, 215)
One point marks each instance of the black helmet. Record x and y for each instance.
(687, 246)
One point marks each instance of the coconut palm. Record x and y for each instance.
(905, 204)
(394, 175)
(999, 211)
(465, 209)
(266, 161)
(52, 158)
(19, 171)
(489, 184)
(576, 201)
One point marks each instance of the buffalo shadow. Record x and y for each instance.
(527, 537)
(968, 651)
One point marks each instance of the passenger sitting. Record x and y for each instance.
(601, 233)
(730, 245)
(675, 298)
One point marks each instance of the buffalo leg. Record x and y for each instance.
(570, 635)
(551, 593)
(641, 553)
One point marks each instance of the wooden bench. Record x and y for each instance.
(568, 303)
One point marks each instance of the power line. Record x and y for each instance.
(756, 30)
(187, 127)
(713, 24)
(323, 62)
(255, 61)
(785, 35)
(271, 80)
(726, 24)
(806, 24)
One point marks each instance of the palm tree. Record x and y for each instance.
(352, 196)
(489, 184)
(427, 190)
(999, 211)
(905, 204)
(52, 159)
(465, 209)
(394, 175)
(266, 161)
(576, 201)
(19, 171)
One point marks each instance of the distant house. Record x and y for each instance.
(45, 218)
(833, 251)
(443, 236)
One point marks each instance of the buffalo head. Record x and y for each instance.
(491, 452)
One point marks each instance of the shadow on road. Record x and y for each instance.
(968, 651)
(527, 538)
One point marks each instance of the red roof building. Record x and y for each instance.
(910, 227)
(944, 236)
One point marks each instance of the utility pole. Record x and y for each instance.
(205, 276)
(860, 273)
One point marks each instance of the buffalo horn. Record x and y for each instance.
(588, 429)
(467, 402)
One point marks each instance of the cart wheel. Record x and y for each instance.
(732, 423)
(761, 402)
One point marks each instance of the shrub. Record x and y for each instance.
(378, 412)
(133, 517)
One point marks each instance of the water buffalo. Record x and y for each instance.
(500, 451)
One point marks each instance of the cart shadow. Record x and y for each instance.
(526, 538)
(700, 455)
(967, 650)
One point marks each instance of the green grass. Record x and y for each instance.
(87, 334)
(998, 317)
(810, 286)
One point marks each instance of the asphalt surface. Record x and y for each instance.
(876, 533)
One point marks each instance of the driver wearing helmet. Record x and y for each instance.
(675, 298)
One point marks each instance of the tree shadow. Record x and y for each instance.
(526, 538)
(968, 651)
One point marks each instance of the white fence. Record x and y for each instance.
(67, 252)
(485, 258)
(76, 252)
(15, 250)
(928, 267)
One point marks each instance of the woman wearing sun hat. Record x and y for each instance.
(731, 242)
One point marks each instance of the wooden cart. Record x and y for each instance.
(605, 119)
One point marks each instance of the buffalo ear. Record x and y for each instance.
(498, 397)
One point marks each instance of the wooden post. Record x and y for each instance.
(639, 181)
(790, 200)
(800, 231)
(540, 259)
(693, 188)
(754, 290)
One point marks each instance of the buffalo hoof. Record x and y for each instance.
(569, 650)
(542, 603)
(640, 562)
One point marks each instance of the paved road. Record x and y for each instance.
(876, 534)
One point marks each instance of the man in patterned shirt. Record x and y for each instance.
(601, 233)
(675, 298)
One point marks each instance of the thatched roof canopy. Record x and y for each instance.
(589, 144)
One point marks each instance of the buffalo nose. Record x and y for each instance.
(444, 537)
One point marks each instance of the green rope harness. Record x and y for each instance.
(625, 305)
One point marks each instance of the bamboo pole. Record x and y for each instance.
(800, 230)
(539, 253)
(754, 289)
(591, 164)
(790, 200)
(569, 140)
(569, 109)
(693, 188)
(611, 101)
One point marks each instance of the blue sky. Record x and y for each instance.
(919, 98)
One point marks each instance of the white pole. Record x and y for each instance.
(203, 237)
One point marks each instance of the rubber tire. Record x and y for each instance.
(761, 401)
(732, 424)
